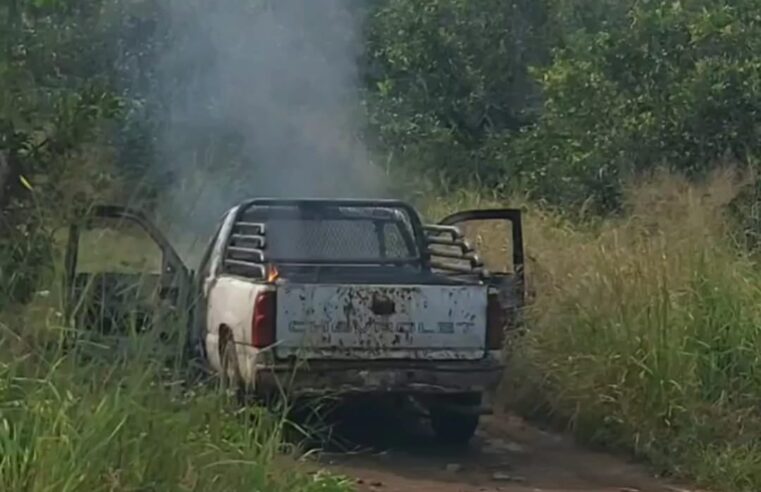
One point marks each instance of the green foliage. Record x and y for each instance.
(745, 214)
(25, 260)
(643, 330)
(562, 100)
(650, 342)
(123, 422)
(444, 77)
(678, 84)
(565, 100)
(54, 95)
(456, 64)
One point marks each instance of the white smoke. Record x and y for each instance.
(266, 104)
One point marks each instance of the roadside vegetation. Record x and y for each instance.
(643, 331)
(91, 415)
(628, 130)
(84, 411)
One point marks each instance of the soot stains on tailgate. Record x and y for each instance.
(369, 312)
(374, 322)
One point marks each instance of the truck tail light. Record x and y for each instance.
(495, 323)
(263, 322)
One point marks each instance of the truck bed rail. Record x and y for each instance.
(244, 253)
(450, 253)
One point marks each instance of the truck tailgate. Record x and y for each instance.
(425, 322)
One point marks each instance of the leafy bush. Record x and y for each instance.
(676, 84)
(444, 77)
(26, 259)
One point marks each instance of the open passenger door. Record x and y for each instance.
(112, 297)
(497, 235)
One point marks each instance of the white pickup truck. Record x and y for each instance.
(350, 297)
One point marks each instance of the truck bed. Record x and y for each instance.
(370, 275)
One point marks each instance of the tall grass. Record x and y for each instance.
(90, 416)
(84, 412)
(645, 331)
(89, 419)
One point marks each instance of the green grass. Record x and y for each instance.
(645, 331)
(90, 418)
(86, 414)
(644, 335)
(97, 416)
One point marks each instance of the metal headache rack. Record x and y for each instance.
(324, 233)
(244, 253)
(450, 253)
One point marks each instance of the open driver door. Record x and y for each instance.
(122, 274)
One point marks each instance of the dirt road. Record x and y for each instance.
(507, 456)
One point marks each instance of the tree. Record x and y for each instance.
(53, 99)
(445, 77)
(678, 85)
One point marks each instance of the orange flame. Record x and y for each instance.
(272, 273)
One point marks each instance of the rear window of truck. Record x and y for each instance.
(335, 234)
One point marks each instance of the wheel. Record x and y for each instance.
(230, 378)
(451, 427)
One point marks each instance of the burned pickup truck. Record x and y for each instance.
(349, 297)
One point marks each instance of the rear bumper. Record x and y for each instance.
(343, 377)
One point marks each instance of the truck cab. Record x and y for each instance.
(348, 298)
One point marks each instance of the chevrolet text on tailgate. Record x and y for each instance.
(350, 297)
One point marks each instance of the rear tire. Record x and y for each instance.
(230, 378)
(453, 428)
